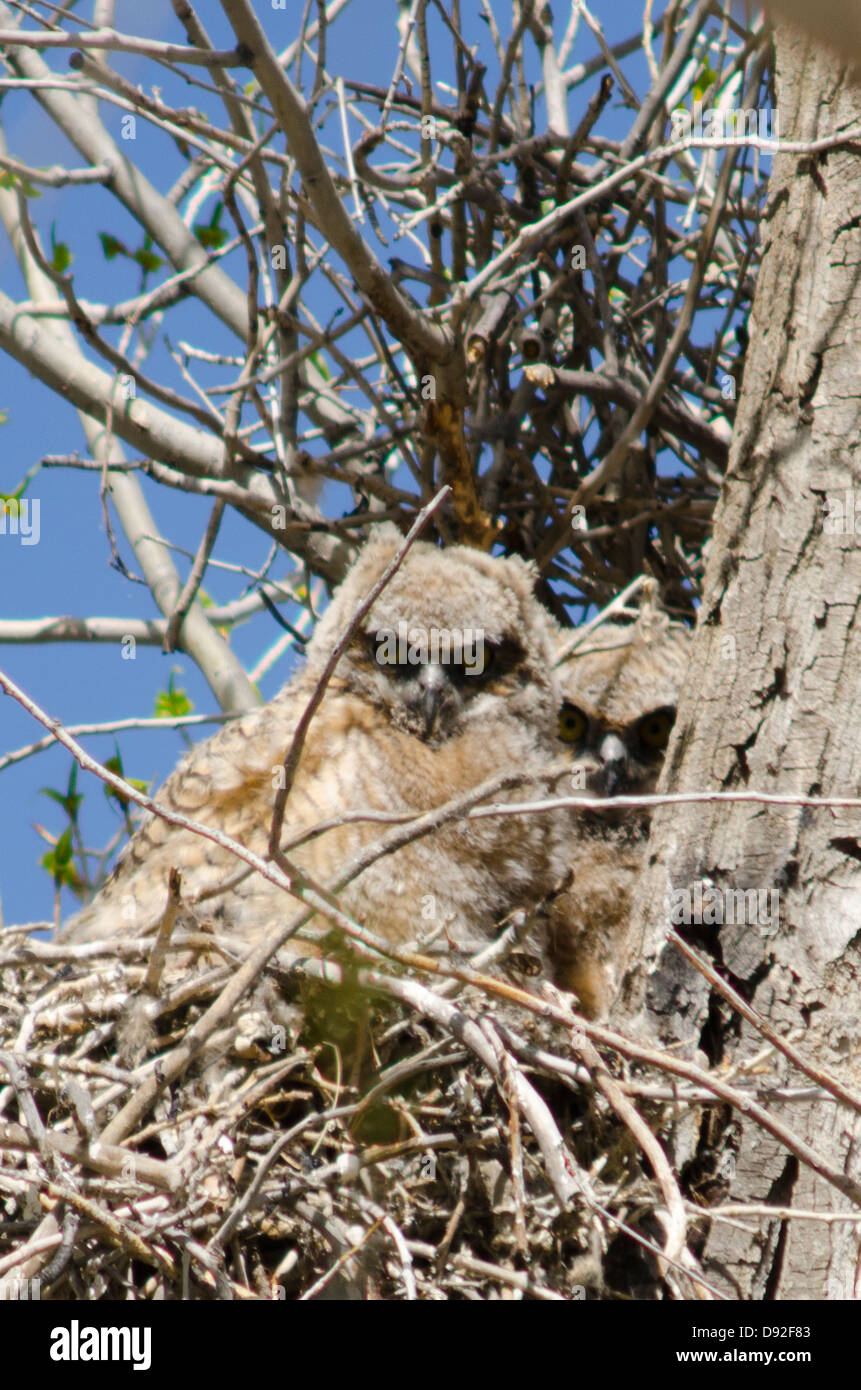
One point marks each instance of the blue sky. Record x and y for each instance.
(67, 572)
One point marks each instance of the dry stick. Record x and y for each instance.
(16, 1071)
(664, 1061)
(822, 1078)
(734, 1210)
(735, 1098)
(396, 1235)
(511, 52)
(559, 1164)
(56, 177)
(420, 335)
(132, 793)
(514, 1278)
(107, 1159)
(209, 419)
(584, 126)
(409, 24)
(448, 1235)
(529, 235)
(653, 105)
(291, 760)
(158, 955)
(583, 630)
(610, 803)
(676, 1226)
(166, 293)
(125, 43)
(507, 1082)
(613, 461)
(696, 1095)
(609, 57)
(343, 1259)
(413, 827)
(628, 392)
(41, 1246)
(119, 1231)
(195, 578)
(246, 1201)
(114, 725)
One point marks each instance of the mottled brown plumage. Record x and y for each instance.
(388, 736)
(620, 691)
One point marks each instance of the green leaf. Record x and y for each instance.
(59, 864)
(10, 180)
(320, 364)
(173, 702)
(115, 765)
(10, 501)
(210, 238)
(62, 257)
(705, 79)
(71, 798)
(111, 246)
(63, 848)
(147, 260)
(70, 807)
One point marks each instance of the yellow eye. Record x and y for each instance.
(572, 723)
(655, 729)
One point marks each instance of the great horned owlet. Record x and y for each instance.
(620, 690)
(447, 683)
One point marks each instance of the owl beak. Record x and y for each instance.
(612, 754)
(432, 682)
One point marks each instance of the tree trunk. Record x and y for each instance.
(774, 705)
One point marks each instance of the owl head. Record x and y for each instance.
(619, 695)
(454, 637)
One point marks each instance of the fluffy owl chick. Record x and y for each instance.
(620, 690)
(447, 683)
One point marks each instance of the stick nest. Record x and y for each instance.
(365, 1135)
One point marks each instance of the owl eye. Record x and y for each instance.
(572, 723)
(654, 730)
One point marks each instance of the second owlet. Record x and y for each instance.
(620, 690)
(447, 683)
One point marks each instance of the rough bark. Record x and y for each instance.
(774, 704)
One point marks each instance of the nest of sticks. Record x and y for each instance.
(178, 1124)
